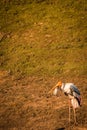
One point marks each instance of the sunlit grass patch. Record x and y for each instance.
(44, 39)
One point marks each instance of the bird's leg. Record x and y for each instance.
(69, 110)
(75, 116)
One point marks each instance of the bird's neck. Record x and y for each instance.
(62, 87)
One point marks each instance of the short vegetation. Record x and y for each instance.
(43, 37)
(41, 42)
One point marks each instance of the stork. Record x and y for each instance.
(70, 90)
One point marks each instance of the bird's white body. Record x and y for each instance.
(72, 91)
(67, 87)
(74, 103)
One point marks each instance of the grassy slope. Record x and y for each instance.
(44, 39)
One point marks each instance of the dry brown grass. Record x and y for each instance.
(26, 105)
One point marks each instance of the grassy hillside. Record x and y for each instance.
(44, 41)
(44, 38)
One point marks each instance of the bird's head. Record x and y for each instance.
(59, 84)
(56, 88)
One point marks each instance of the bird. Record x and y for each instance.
(73, 93)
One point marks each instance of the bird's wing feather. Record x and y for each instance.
(74, 90)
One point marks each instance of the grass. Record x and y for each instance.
(44, 39)
(41, 42)
(25, 102)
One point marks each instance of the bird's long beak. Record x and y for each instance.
(51, 91)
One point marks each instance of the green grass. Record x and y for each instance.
(44, 38)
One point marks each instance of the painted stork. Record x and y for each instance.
(70, 90)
